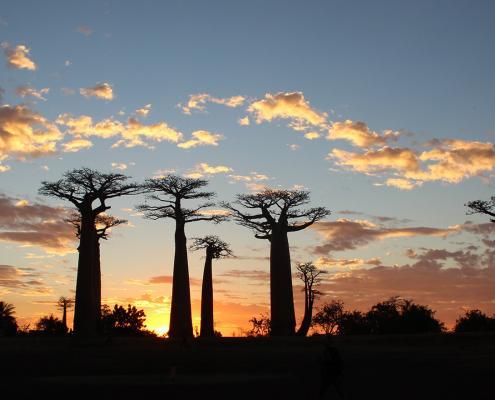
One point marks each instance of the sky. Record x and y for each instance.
(382, 110)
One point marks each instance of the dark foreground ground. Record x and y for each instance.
(378, 367)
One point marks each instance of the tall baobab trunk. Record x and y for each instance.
(308, 314)
(180, 314)
(86, 314)
(283, 320)
(64, 316)
(207, 329)
(97, 282)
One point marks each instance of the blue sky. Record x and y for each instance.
(423, 70)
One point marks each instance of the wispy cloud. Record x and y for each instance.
(18, 57)
(100, 90)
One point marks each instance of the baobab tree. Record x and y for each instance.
(482, 207)
(65, 303)
(215, 249)
(274, 214)
(310, 276)
(103, 223)
(83, 187)
(169, 192)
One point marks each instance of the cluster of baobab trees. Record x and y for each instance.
(271, 213)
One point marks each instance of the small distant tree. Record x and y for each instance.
(63, 304)
(272, 214)
(474, 321)
(353, 323)
(310, 276)
(121, 321)
(215, 249)
(168, 195)
(328, 317)
(51, 325)
(260, 326)
(8, 323)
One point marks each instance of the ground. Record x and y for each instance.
(383, 367)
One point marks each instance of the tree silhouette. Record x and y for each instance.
(120, 321)
(64, 303)
(329, 316)
(474, 321)
(82, 187)
(8, 323)
(274, 214)
(310, 275)
(260, 326)
(51, 325)
(482, 207)
(103, 222)
(169, 192)
(215, 248)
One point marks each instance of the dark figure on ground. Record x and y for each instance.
(331, 366)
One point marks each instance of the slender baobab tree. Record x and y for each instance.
(83, 187)
(64, 303)
(215, 249)
(168, 193)
(103, 222)
(310, 275)
(274, 214)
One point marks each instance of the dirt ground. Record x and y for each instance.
(375, 367)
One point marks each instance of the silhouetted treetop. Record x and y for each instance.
(169, 191)
(275, 207)
(217, 247)
(83, 186)
(103, 223)
(482, 207)
(65, 303)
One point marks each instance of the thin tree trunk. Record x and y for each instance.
(282, 318)
(64, 316)
(97, 284)
(306, 322)
(180, 315)
(207, 329)
(85, 312)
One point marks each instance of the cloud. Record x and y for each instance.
(359, 134)
(132, 134)
(252, 177)
(294, 147)
(21, 278)
(201, 138)
(119, 166)
(352, 263)
(312, 135)
(26, 90)
(288, 105)
(447, 160)
(197, 102)
(75, 145)
(447, 290)
(244, 121)
(162, 279)
(256, 275)
(347, 234)
(144, 111)
(202, 169)
(18, 57)
(100, 90)
(85, 30)
(25, 133)
(35, 225)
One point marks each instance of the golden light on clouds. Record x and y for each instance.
(18, 57)
(359, 134)
(101, 91)
(197, 102)
(26, 90)
(201, 138)
(203, 169)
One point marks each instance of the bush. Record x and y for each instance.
(474, 321)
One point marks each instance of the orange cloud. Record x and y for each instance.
(359, 134)
(287, 105)
(18, 57)
(25, 133)
(198, 102)
(143, 111)
(201, 138)
(36, 225)
(203, 169)
(26, 90)
(101, 91)
(76, 144)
